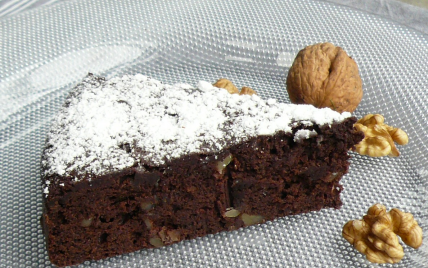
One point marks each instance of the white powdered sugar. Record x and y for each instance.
(129, 121)
(302, 134)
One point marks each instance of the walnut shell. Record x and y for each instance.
(325, 76)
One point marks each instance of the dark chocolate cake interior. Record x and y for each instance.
(89, 216)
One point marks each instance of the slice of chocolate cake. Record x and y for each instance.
(132, 163)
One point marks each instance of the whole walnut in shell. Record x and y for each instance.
(325, 76)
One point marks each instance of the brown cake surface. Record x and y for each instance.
(132, 163)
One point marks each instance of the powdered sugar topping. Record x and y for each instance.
(302, 134)
(129, 121)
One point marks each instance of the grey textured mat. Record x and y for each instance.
(44, 52)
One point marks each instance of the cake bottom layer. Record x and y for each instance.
(147, 207)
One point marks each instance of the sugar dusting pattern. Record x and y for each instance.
(106, 126)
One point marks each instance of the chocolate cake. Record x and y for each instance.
(132, 163)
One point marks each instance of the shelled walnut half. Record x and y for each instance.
(232, 89)
(376, 234)
(379, 137)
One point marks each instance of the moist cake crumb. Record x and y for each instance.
(132, 163)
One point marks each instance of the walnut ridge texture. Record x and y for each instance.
(325, 76)
(376, 235)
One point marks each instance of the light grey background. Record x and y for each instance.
(412, 13)
(44, 51)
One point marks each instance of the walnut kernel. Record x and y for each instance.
(226, 84)
(231, 213)
(148, 223)
(251, 219)
(86, 222)
(156, 242)
(221, 165)
(379, 137)
(232, 89)
(376, 234)
(247, 91)
(375, 143)
(146, 205)
(174, 235)
(169, 236)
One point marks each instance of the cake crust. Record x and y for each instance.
(108, 125)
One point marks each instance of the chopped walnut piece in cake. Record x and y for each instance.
(251, 219)
(231, 213)
(376, 234)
